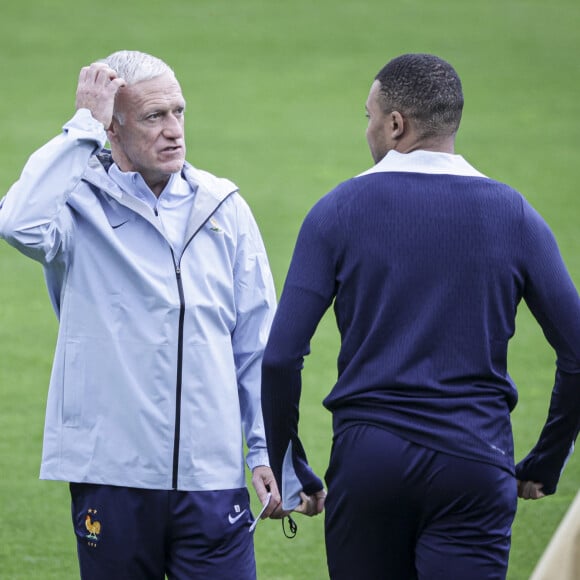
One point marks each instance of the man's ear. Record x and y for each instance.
(396, 124)
(112, 131)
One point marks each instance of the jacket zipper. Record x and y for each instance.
(179, 378)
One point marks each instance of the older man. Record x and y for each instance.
(159, 277)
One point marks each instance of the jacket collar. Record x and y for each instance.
(209, 191)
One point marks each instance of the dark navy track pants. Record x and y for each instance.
(136, 534)
(396, 510)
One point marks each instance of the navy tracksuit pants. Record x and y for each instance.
(138, 534)
(399, 511)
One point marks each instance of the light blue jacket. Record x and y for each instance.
(156, 375)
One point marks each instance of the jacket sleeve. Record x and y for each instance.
(255, 298)
(553, 300)
(308, 292)
(31, 214)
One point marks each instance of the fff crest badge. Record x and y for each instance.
(93, 528)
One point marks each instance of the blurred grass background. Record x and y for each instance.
(276, 94)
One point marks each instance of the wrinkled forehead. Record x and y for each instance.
(163, 90)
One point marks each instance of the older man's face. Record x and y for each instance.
(147, 133)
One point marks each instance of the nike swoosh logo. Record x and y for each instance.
(234, 519)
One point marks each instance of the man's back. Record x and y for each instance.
(427, 271)
(426, 260)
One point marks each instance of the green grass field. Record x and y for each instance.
(276, 94)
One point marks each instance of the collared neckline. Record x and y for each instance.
(421, 161)
(133, 183)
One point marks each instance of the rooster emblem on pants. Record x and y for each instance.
(93, 527)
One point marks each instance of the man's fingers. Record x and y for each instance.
(530, 490)
(278, 512)
(320, 500)
(98, 71)
(311, 505)
(265, 485)
(96, 81)
(304, 506)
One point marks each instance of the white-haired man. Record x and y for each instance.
(160, 280)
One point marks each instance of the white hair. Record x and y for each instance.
(135, 66)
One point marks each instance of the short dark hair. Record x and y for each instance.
(424, 88)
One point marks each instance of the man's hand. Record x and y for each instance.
(530, 490)
(98, 84)
(311, 505)
(264, 483)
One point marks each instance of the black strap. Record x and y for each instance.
(291, 525)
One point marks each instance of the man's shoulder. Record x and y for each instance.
(204, 181)
(348, 189)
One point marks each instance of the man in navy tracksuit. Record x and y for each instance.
(426, 260)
